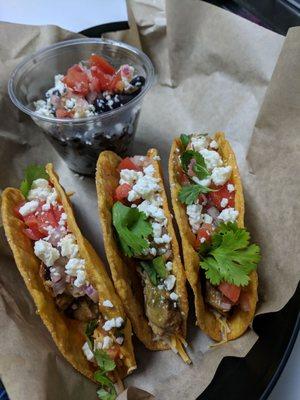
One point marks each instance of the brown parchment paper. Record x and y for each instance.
(213, 72)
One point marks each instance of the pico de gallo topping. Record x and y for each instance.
(142, 228)
(89, 88)
(64, 275)
(208, 192)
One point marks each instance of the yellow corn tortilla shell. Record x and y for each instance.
(124, 270)
(206, 319)
(68, 334)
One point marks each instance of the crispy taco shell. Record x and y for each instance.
(124, 270)
(239, 321)
(68, 334)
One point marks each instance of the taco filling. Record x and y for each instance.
(208, 194)
(141, 227)
(62, 269)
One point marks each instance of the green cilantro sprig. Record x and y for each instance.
(189, 194)
(199, 167)
(132, 229)
(185, 140)
(32, 172)
(156, 269)
(107, 390)
(230, 257)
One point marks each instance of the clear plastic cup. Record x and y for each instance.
(79, 141)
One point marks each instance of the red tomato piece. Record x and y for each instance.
(33, 234)
(115, 82)
(222, 193)
(182, 178)
(203, 235)
(46, 218)
(31, 221)
(232, 292)
(127, 163)
(101, 63)
(122, 191)
(57, 211)
(77, 80)
(62, 113)
(102, 81)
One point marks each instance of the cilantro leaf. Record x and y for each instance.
(132, 229)
(199, 167)
(189, 194)
(105, 363)
(32, 172)
(159, 266)
(89, 330)
(150, 272)
(230, 257)
(185, 140)
(155, 269)
(106, 395)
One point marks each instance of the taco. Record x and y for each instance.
(70, 287)
(208, 202)
(142, 249)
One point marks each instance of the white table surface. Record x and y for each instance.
(288, 385)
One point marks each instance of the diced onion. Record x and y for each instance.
(213, 212)
(92, 293)
(59, 287)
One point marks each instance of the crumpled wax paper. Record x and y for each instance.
(214, 72)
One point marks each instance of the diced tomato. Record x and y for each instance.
(77, 80)
(182, 178)
(232, 292)
(31, 221)
(114, 352)
(222, 193)
(102, 64)
(62, 113)
(102, 81)
(122, 191)
(57, 211)
(115, 83)
(203, 233)
(33, 233)
(127, 163)
(17, 208)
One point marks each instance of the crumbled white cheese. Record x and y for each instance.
(207, 219)
(224, 202)
(113, 323)
(40, 189)
(199, 142)
(70, 103)
(212, 159)
(160, 287)
(164, 239)
(69, 246)
(149, 170)
(194, 213)
(173, 296)
(87, 351)
(202, 240)
(221, 175)
(120, 340)
(108, 303)
(169, 266)
(46, 252)
(204, 182)
(169, 282)
(146, 186)
(156, 158)
(214, 145)
(29, 207)
(230, 188)
(151, 210)
(107, 342)
(228, 215)
(76, 267)
(129, 176)
(157, 229)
